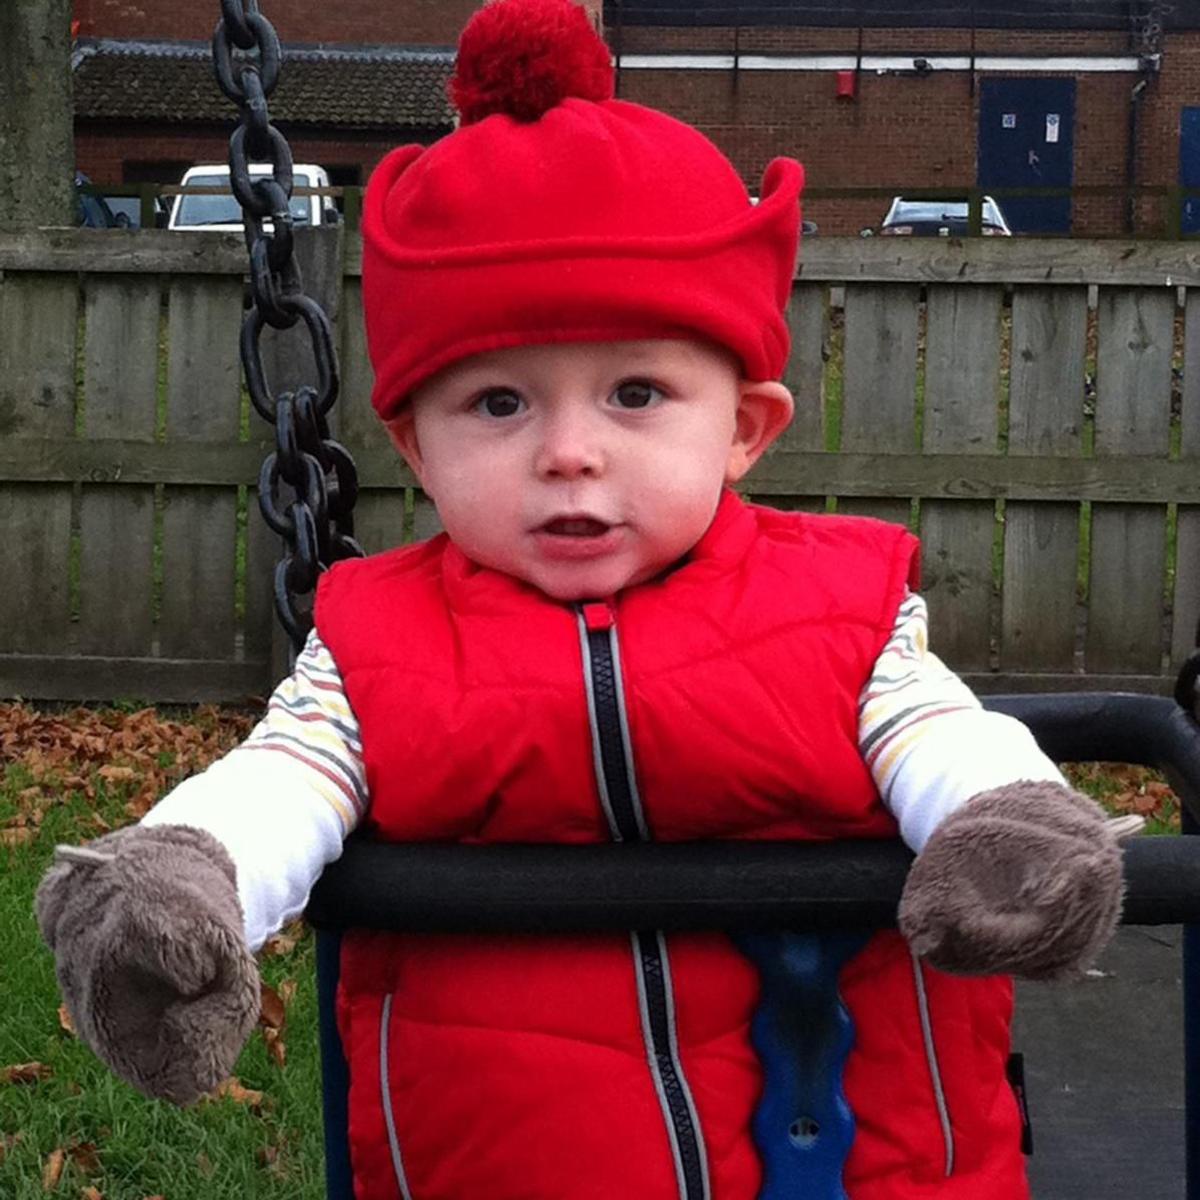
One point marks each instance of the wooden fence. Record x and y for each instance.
(1031, 407)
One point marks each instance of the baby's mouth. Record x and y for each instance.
(579, 527)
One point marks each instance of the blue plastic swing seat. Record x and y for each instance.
(827, 897)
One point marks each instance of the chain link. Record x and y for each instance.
(317, 523)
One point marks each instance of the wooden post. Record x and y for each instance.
(37, 140)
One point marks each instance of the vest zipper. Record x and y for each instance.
(385, 1088)
(613, 758)
(935, 1074)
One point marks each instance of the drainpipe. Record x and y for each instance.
(1135, 103)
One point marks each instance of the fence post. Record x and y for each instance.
(1175, 199)
(975, 212)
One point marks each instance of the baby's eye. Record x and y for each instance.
(499, 402)
(636, 393)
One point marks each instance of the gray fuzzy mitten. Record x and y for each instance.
(147, 936)
(1023, 879)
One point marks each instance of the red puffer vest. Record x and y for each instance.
(717, 702)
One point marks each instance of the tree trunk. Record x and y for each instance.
(37, 137)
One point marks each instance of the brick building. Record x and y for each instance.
(947, 93)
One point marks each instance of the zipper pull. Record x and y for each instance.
(598, 616)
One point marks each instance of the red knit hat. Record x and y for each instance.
(558, 214)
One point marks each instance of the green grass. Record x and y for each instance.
(143, 1148)
(1127, 789)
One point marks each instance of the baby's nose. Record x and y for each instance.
(570, 448)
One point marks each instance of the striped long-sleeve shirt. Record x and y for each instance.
(285, 799)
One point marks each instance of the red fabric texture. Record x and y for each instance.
(522, 57)
(597, 220)
(516, 1066)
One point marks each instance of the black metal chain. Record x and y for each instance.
(317, 523)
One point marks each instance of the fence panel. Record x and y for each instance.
(805, 376)
(38, 330)
(379, 515)
(1128, 549)
(199, 524)
(879, 382)
(962, 383)
(1185, 634)
(116, 521)
(106, 407)
(1041, 538)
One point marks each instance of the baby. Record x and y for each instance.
(575, 315)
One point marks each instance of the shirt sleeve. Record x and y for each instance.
(928, 743)
(283, 801)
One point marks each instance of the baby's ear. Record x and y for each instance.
(402, 430)
(764, 411)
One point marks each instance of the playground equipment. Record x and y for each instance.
(821, 895)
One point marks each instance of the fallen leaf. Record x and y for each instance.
(64, 1019)
(113, 774)
(285, 941)
(52, 1171)
(138, 807)
(272, 1014)
(17, 836)
(30, 1072)
(233, 1090)
(85, 1156)
(276, 1050)
(90, 1193)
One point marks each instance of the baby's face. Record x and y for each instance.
(585, 468)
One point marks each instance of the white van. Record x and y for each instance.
(222, 212)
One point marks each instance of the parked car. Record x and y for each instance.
(938, 218)
(221, 211)
(91, 209)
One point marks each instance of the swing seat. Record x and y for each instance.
(830, 889)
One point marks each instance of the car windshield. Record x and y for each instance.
(224, 209)
(907, 211)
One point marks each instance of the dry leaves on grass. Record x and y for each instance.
(141, 753)
(1124, 788)
(30, 1072)
(53, 1169)
(83, 1154)
(285, 941)
(273, 1017)
(232, 1089)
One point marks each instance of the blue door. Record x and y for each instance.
(1026, 139)
(1189, 166)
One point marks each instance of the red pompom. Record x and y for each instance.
(522, 57)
